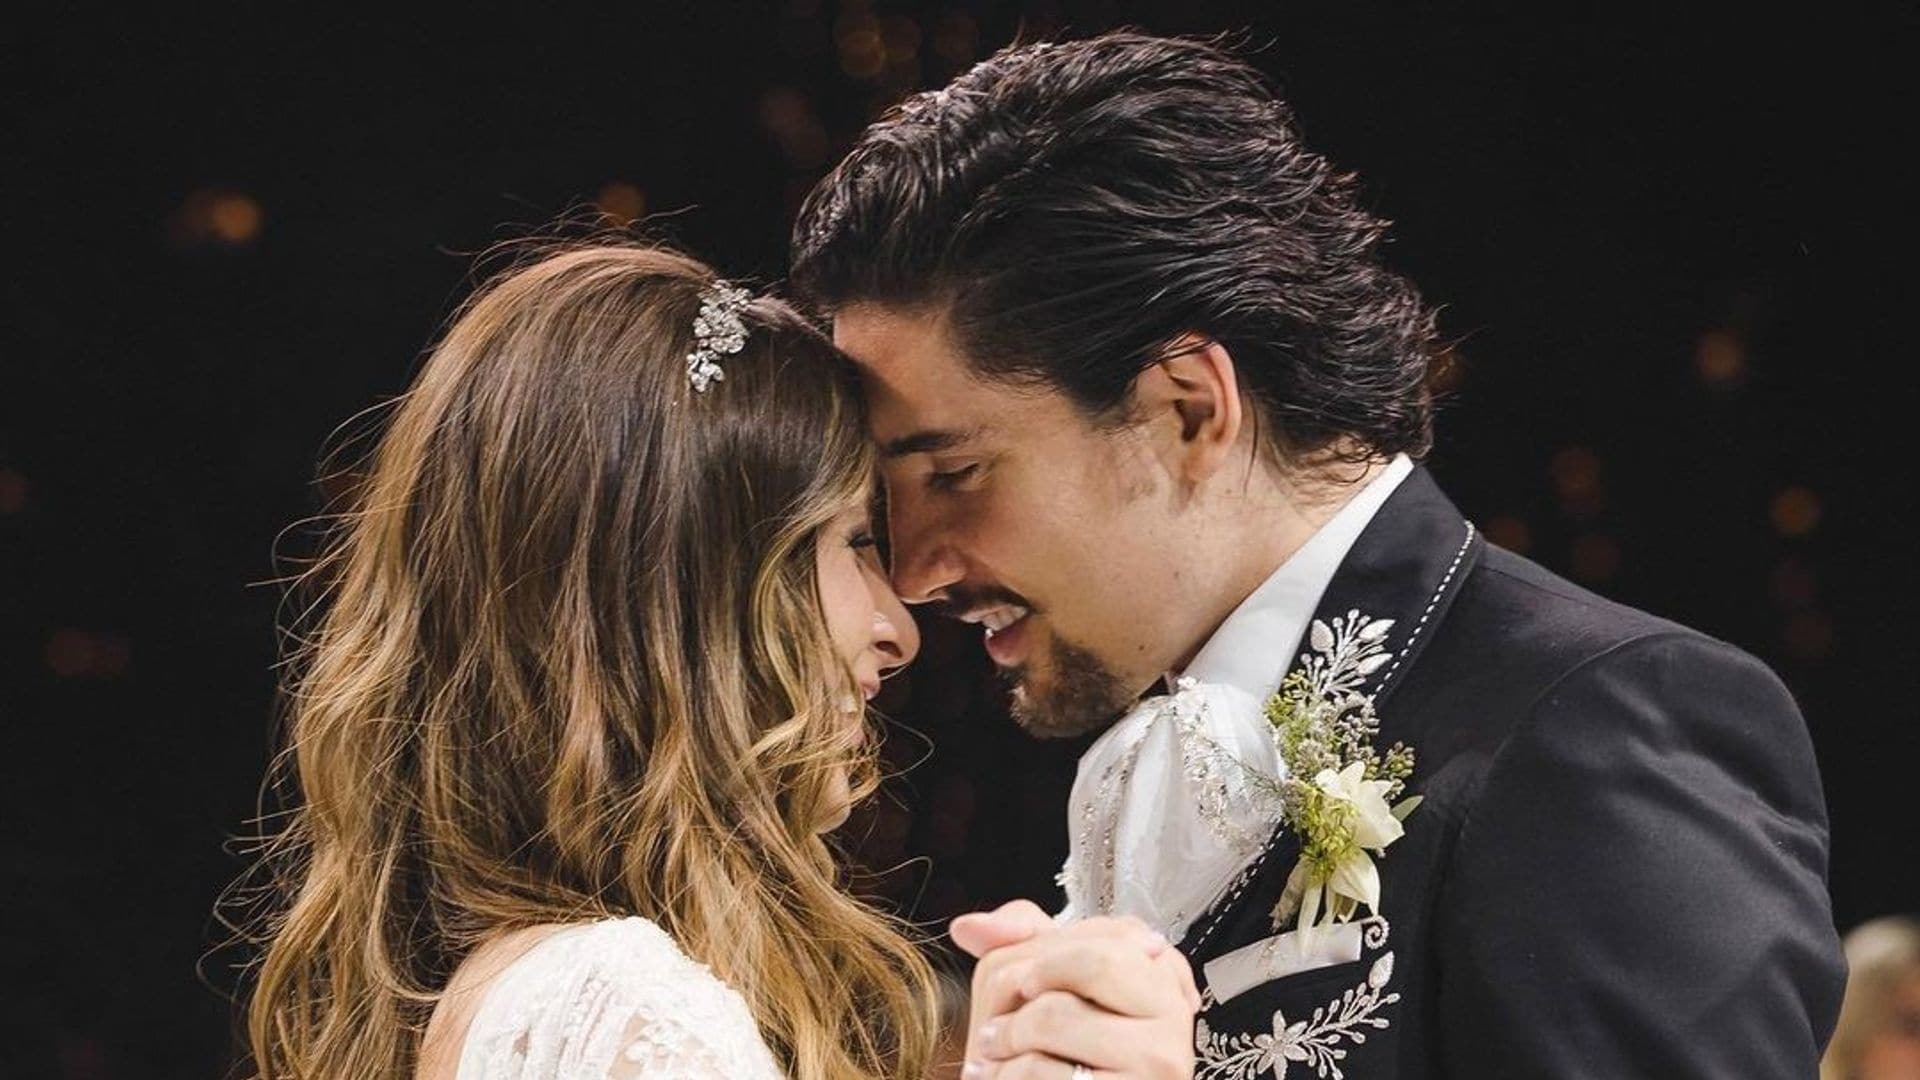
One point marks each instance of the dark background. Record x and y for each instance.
(1674, 252)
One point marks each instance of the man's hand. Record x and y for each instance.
(981, 932)
(1109, 994)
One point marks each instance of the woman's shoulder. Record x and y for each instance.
(612, 998)
(632, 949)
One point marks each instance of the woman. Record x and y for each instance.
(584, 694)
(1878, 1036)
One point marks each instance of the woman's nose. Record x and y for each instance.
(895, 635)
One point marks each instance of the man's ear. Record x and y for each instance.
(1193, 392)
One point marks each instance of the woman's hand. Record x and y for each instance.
(1107, 994)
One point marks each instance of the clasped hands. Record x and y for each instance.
(1108, 994)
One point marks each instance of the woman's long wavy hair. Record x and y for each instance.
(570, 662)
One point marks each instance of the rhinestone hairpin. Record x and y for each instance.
(717, 331)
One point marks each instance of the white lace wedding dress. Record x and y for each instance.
(611, 1000)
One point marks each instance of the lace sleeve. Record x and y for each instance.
(612, 1001)
(657, 1046)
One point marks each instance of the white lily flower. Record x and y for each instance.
(1374, 825)
(1354, 878)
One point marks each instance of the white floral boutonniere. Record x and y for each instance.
(1339, 790)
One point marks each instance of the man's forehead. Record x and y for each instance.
(896, 345)
(917, 385)
(919, 419)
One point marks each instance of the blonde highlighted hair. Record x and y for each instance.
(569, 663)
(1883, 959)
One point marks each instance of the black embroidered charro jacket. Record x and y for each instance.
(1618, 869)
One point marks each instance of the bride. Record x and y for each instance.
(583, 695)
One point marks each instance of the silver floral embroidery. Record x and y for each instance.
(1069, 878)
(1315, 1042)
(1375, 934)
(1221, 782)
(1344, 654)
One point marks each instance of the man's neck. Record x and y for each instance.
(1272, 522)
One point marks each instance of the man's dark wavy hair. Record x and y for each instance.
(1076, 207)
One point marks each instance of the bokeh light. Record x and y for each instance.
(1792, 585)
(621, 203)
(1720, 358)
(219, 217)
(13, 492)
(858, 41)
(79, 654)
(1808, 636)
(900, 37)
(1511, 533)
(1594, 558)
(1576, 473)
(956, 39)
(1795, 512)
(789, 117)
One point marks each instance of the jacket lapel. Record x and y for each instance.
(1407, 566)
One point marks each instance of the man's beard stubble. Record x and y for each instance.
(1082, 696)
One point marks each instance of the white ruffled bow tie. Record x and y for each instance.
(1164, 814)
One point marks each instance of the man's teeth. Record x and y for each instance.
(1002, 619)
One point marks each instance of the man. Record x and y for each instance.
(1150, 406)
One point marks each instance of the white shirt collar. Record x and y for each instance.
(1252, 650)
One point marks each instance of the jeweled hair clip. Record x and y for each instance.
(717, 331)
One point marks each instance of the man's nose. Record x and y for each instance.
(924, 564)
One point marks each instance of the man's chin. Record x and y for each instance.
(1043, 725)
(1087, 700)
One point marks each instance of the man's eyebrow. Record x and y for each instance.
(925, 442)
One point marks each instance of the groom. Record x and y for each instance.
(1150, 409)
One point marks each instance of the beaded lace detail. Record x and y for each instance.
(611, 1000)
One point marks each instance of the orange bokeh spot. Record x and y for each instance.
(217, 216)
(621, 202)
(1792, 585)
(863, 51)
(1511, 533)
(76, 654)
(235, 218)
(955, 39)
(70, 653)
(13, 492)
(1594, 558)
(1808, 635)
(901, 38)
(789, 117)
(1576, 477)
(1720, 357)
(1795, 512)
